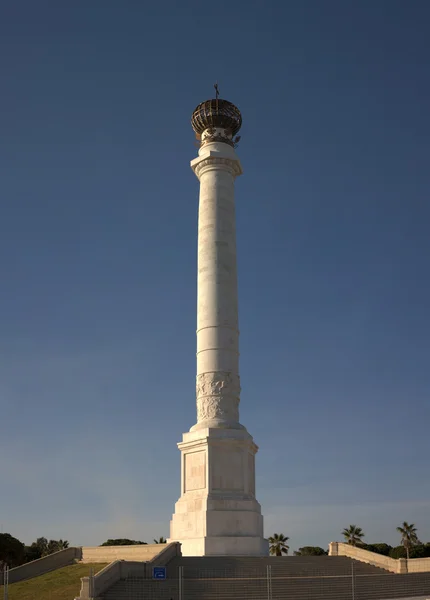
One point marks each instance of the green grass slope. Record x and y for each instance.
(62, 584)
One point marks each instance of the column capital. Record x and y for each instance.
(215, 160)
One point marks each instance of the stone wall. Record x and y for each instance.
(418, 565)
(108, 554)
(121, 569)
(400, 566)
(63, 558)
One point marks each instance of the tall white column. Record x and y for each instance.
(217, 513)
(218, 383)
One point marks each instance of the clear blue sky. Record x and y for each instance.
(98, 260)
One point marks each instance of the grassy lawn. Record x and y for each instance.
(62, 584)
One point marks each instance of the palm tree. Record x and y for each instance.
(353, 535)
(160, 540)
(55, 546)
(278, 544)
(409, 536)
(62, 544)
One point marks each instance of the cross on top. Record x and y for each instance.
(216, 90)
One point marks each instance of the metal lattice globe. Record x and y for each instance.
(216, 113)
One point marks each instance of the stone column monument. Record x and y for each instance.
(217, 513)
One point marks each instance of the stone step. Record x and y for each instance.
(306, 588)
(293, 578)
(294, 565)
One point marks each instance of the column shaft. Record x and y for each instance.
(218, 385)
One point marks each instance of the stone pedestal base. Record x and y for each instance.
(225, 546)
(217, 513)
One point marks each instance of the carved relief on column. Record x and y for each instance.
(218, 396)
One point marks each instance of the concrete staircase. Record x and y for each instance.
(292, 578)
(294, 566)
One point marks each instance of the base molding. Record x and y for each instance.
(225, 546)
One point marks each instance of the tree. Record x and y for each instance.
(12, 551)
(56, 546)
(421, 551)
(62, 544)
(32, 553)
(383, 549)
(278, 544)
(409, 536)
(353, 535)
(122, 542)
(418, 551)
(310, 551)
(160, 540)
(42, 546)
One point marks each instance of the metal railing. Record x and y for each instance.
(6, 582)
(264, 582)
(271, 584)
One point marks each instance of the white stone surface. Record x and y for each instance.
(107, 554)
(218, 384)
(217, 513)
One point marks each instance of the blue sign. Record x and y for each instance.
(159, 573)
